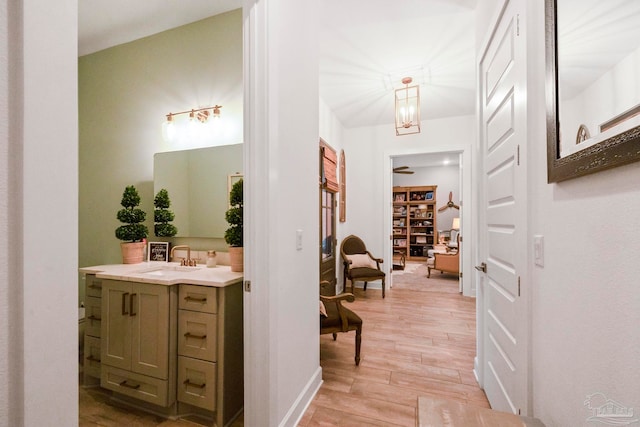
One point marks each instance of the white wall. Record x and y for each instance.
(38, 203)
(585, 300)
(369, 182)
(281, 163)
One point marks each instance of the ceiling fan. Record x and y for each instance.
(402, 169)
(449, 204)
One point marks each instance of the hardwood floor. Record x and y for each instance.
(418, 341)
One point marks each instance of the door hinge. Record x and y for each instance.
(460, 274)
(518, 155)
(519, 411)
(247, 285)
(518, 285)
(518, 25)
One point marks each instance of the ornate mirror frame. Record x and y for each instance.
(618, 150)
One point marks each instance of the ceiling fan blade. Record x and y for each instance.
(404, 172)
(400, 168)
(443, 208)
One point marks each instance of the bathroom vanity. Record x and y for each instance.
(166, 338)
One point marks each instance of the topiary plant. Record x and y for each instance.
(233, 235)
(132, 216)
(162, 216)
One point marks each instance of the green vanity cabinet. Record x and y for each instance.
(172, 348)
(138, 340)
(93, 322)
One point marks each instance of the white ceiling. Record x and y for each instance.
(366, 47)
(103, 24)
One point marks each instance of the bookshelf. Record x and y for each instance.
(414, 221)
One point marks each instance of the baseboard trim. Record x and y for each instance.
(299, 407)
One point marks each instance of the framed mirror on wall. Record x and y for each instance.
(593, 86)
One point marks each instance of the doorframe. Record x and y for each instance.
(466, 196)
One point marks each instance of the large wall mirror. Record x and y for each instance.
(197, 181)
(593, 86)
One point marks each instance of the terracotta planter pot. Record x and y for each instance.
(132, 253)
(236, 258)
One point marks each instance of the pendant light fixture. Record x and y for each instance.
(407, 108)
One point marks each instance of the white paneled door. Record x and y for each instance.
(503, 319)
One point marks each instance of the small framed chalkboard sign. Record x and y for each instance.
(158, 251)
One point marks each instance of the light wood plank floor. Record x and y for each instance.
(418, 341)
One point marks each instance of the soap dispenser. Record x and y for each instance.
(211, 259)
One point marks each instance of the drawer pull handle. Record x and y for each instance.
(91, 358)
(126, 384)
(96, 285)
(132, 304)
(190, 384)
(200, 337)
(124, 303)
(193, 299)
(94, 317)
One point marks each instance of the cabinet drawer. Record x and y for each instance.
(93, 316)
(197, 336)
(93, 286)
(198, 298)
(92, 356)
(197, 383)
(149, 389)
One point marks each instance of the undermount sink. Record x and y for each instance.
(167, 270)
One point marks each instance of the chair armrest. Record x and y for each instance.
(337, 300)
(347, 296)
(379, 260)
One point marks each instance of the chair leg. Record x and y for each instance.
(358, 341)
(428, 272)
(335, 336)
(383, 287)
(365, 286)
(344, 281)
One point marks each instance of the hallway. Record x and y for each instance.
(418, 341)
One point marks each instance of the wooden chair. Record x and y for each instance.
(359, 264)
(340, 319)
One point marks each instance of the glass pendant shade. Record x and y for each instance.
(407, 108)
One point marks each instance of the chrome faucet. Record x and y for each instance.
(185, 261)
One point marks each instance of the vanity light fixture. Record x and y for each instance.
(407, 108)
(197, 116)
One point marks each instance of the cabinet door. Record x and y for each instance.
(149, 314)
(115, 329)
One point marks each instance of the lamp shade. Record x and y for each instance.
(456, 224)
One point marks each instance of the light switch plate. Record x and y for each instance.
(538, 250)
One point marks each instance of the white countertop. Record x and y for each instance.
(166, 273)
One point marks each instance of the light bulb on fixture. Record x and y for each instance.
(197, 126)
(169, 129)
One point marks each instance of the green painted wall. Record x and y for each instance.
(125, 92)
